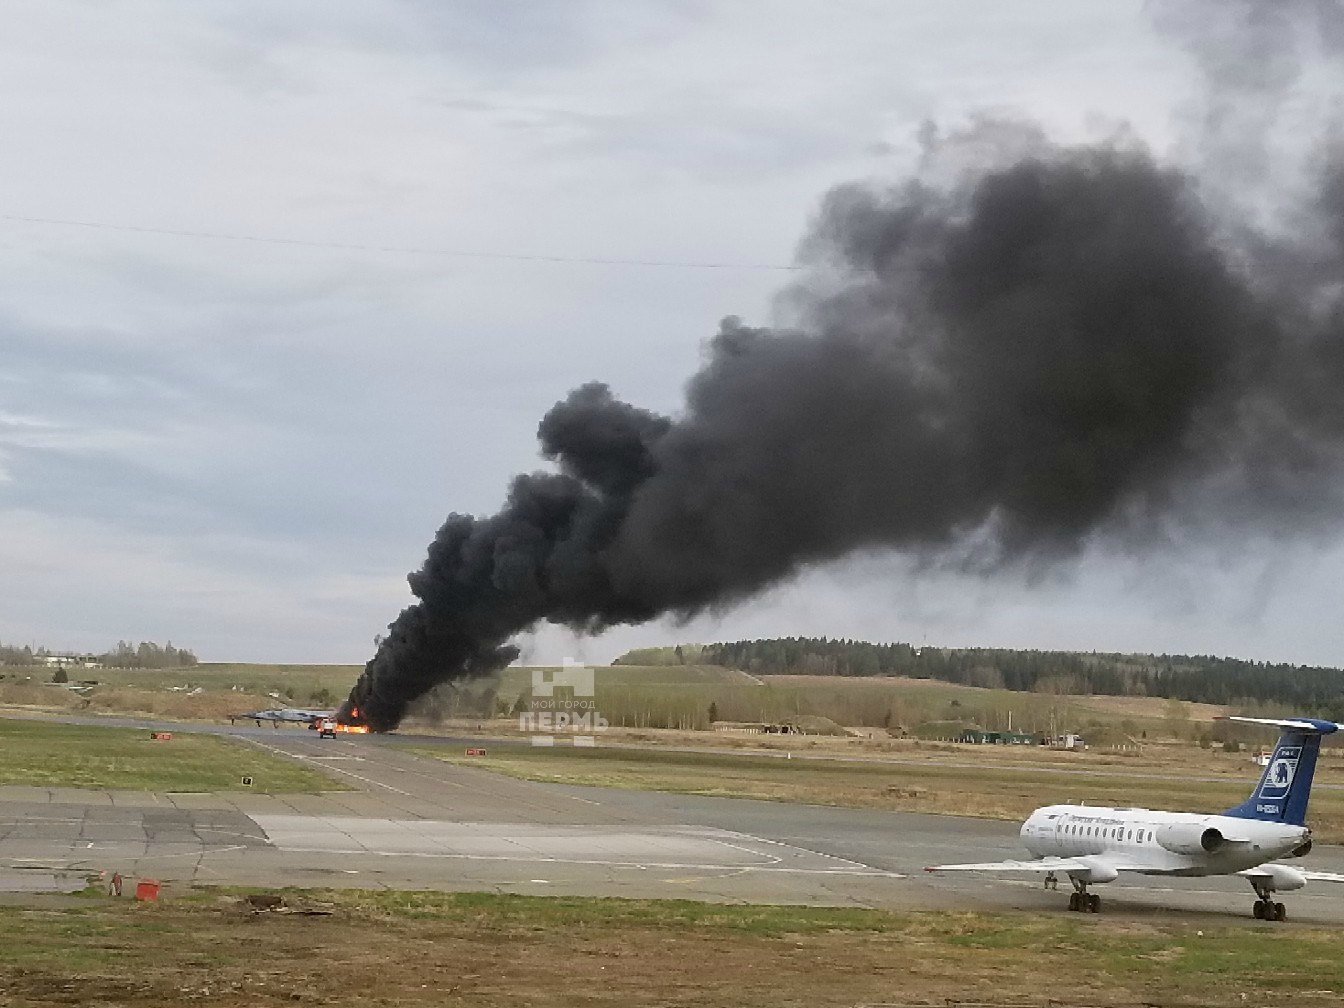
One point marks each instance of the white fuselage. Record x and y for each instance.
(1184, 843)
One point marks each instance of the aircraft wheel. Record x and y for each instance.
(1094, 903)
(1073, 901)
(1259, 910)
(1280, 912)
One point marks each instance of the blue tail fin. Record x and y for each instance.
(1284, 788)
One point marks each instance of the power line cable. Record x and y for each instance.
(404, 250)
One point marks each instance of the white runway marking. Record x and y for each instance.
(670, 847)
(333, 769)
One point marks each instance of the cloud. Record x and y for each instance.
(87, 584)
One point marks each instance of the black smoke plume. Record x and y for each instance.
(1070, 344)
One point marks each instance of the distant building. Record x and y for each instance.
(70, 659)
(977, 737)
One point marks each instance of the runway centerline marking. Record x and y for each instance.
(524, 843)
(634, 865)
(333, 769)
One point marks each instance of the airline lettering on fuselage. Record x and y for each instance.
(1279, 778)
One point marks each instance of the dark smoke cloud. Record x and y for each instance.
(1004, 365)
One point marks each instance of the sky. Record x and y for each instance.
(468, 209)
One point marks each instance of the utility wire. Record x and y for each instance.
(406, 250)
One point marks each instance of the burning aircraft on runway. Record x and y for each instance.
(288, 715)
(321, 720)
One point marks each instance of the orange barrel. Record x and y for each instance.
(146, 890)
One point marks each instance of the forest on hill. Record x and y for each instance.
(1198, 678)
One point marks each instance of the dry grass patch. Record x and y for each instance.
(487, 950)
(989, 792)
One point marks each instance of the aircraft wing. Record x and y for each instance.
(1291, 724)
(1266, 871)
(1045, 864)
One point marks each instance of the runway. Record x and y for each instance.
(411, 822)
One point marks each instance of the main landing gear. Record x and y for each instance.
(1080, 900)
(1269, 910)
(1265, 908)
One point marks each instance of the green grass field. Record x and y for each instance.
(301, 680)
(516, 679)
(37, 754)
(685, 696)
(380, 948)
(640, 696)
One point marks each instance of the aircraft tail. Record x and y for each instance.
(1285, 787)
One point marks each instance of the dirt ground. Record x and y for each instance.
(495, 951)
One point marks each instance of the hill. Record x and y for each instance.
(1195, 678)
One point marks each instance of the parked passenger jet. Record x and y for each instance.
(1094, 845)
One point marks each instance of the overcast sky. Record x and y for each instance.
(244, 446)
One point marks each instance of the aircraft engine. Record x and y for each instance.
(1096, 873)
(1190, 838)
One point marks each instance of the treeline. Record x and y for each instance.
(146, 655)
(465, 699)
(1198, 678)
